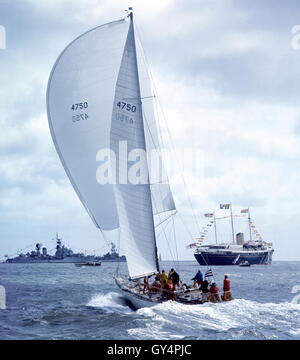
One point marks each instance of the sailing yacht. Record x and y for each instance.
(100, 108)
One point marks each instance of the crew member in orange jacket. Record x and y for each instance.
(226, 284)
(169, 290)
(214, 290)
(156, 285)
(226, 288)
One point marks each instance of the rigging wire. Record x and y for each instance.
(165, 219)
(152, 197)
(156, 147)
(175, 242)
(163, 231)
(118, 262)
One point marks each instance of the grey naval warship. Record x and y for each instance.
(62, 255)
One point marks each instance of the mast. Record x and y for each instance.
(215, 226)
(232, 228)
(143, 130)
(249, 219)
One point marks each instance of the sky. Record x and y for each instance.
(228, 80)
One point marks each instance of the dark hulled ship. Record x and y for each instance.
(254, 251)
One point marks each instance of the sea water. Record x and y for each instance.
(61, 301)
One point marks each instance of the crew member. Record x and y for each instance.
(226, 288)
(198, 279)
(163, 276)
(205, 291)
(156, 285)
(174, 277)
(168, 290)
(214, 291)
(146, 285)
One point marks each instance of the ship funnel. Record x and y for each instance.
(38, 247)
(240, 239)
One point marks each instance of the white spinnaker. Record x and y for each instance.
(84, 78)
(162, 198)
(137, 235)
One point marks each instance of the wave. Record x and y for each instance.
(111, 303)
(243, 319)
(238, 319)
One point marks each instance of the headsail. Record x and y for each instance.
(133, 200)
(80, 98)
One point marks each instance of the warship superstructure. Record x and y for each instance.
(62, 254)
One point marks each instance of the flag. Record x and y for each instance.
(191, 245)
(224, 206)
(244, 211)
(209, 215)
(209, 273)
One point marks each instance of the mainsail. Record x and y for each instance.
(95, 101)
(133, 200)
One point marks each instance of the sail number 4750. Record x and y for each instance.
(126, 106)
(80, 106)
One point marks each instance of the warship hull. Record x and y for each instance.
(71, 260)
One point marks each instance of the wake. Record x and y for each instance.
(111, 303)
(236, 319)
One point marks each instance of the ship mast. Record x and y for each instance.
(249, 219)
(215, 226)
(232, 228)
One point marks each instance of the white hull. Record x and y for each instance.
(138, 301)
